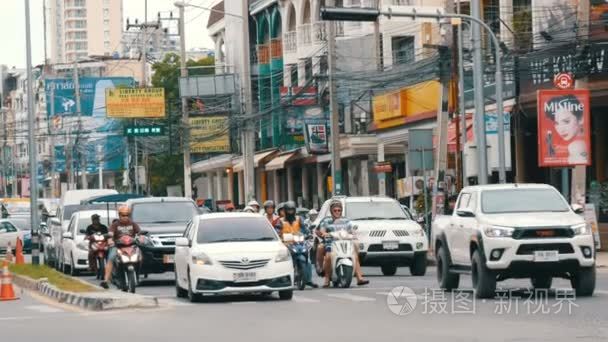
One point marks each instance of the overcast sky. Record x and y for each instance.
(12, 26)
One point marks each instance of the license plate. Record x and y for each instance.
(390, 245)
(169, 258)
(546, 256)
(244, 276)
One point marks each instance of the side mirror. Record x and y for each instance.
(182, 242)
(66, 235)
(578, 209)
(465, 213)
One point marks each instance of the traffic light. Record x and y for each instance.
(144, 131)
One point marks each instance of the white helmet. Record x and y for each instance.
(253, 203)
(313, 212)
(248, 209)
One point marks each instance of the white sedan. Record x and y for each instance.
(232, 253)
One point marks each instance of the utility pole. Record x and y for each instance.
(83, 169)
(52, 138)
(185, 119)
(32, 140)
(461, 104)
(334, 125)
(248, 137)
(479, 120)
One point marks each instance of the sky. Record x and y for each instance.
(12, 26)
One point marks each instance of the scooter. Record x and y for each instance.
(99, 248)
(342, 249)
(127, 261)
(299, 246)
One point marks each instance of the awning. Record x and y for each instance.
(215, 163)
(279, 162)
(259, 157)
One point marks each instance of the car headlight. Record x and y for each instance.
(581, 229)
(419, 232)
(83, 245)
(498, 232)
(283, 256)
(201, 259)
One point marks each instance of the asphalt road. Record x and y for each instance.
(370, 313)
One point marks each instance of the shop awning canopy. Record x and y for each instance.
(259, 157)
(212, 164)
(279, 162)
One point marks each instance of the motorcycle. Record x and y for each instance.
(126, 264)
(99, 248)
(299, 246)
(341, 249)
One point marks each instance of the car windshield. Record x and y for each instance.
(235, 229)
(163, 212)
(522, 201)
(83, 223)
(375, 211)
(69, 210)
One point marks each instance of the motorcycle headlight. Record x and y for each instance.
(581, 229)
(283, 256)
(201, 259)
(83, 245)
(419, 232)
(498, 232)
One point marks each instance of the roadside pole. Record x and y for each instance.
(478, 117)
(334, 126)
(185, 114)
(32, 140)
(461, 105)
(248, 125)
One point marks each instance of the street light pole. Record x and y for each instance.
(32, 139)
(334, 123)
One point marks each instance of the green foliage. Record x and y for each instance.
(167, 73)
(166, 170)
(419, 203)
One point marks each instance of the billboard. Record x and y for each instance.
(92, 95)
(209, 134)
(135, 103)
(316, 130)
(564, 132)
(109, 150)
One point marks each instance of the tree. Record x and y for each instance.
(167, 73)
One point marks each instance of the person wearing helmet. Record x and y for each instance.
(292, 224)
(248, 209)
(328, 225)
(124, 226)
(274, 220)
(95, 227)
(312, 216)
(281, 209)
(254, 205)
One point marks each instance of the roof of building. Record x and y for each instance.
(217, 14)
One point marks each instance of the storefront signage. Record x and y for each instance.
(209, 134)
(388, 106)
(563, 80)
(298, 96)
(383, 167)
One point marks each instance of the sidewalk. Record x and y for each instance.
(601, 259)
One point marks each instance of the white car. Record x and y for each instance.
(232, 253)
(9, 234)
(74, 251)
(388, 236)
(505, 231)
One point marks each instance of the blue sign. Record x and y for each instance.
(491, 120)
(112, 155)
(92, 94)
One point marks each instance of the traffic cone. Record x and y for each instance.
(9, 253)
(6, 284)
(19, 258)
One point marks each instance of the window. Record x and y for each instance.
(7, 227)
(473, 202)
(81, 24)
(166, 212)
(235, 230)
(106, 35)
(106, 3)
(106, 23)
(294, 74)
(522, 201)
(463, 202)
(308, 69)
(403, 50)
(106, 14)
(374, 210)
(106, 45)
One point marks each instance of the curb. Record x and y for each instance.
(94, 301)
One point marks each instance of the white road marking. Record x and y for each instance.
(351, 297)
(299, 299)
(601, 291)
(43, 308)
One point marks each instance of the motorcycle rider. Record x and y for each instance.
(255, 205)
(95, 227)
(292, 224)
(324, 258)
(124, 226)
(274, 220)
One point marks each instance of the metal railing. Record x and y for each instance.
(305, 34)
(290, 41)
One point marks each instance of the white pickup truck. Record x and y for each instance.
(497, 232)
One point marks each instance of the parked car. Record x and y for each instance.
(74, 251)
(231, 253)
(388, 237)
(9, 234)
(165, 219)
(498, 232)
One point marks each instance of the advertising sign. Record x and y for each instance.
(92, 94)
(209, 134)
(316, 131)
(135, 103)
(564, 132)
(387, 106)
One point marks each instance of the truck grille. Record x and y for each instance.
(377, 233)
(400, 233)
(403, 247)
(245, 264)
(530, 248)
(542, 233)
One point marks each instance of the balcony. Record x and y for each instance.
(276, 48)
(290, 40)
(305, 35)
(319, 36)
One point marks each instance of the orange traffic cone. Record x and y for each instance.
(6, 284)
(9, 253)
(19, 258)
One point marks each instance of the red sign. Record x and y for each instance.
(299, 96)
(564, 137)
(563, 80)
(383, 167)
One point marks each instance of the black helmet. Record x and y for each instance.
(281, 206)
(290, 205)
(269, 204)
(95, 217)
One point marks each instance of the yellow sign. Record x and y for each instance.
(209, 134)
(135, 103)
(387, 106)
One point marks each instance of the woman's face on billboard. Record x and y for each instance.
(566, 124)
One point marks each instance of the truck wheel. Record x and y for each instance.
(542, 282)
(447, 281)
(484, 281)
(388, 270)
(418, 266)
(583, 282)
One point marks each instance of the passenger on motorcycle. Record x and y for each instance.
(281, 209)
(95, 227)
(254, 205)
(124, 226)
(292, 224)
(274, 219)
(312, 216)
(323, 258)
